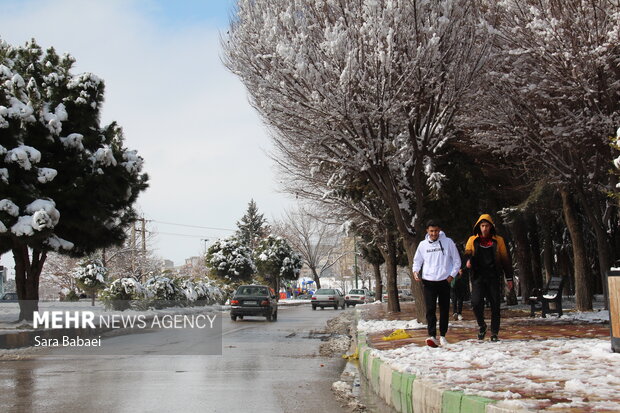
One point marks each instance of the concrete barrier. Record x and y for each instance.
(427, 396)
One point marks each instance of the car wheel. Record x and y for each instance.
(314, 307)
(233, 317)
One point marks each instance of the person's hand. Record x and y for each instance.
(449, 279)
(416, 276)
(510, 285)
(468, 265)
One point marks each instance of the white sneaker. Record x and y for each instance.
(460, 317)
(443, 341)
(432, 342)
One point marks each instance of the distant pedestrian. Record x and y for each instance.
(488, 259)
(459, 291)
(439, 261)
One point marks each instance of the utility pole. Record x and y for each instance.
(143, 235)
(355, 258)
(133, 241)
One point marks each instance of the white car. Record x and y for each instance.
(327, 297)
(357, 296)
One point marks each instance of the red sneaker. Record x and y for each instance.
(432, 342)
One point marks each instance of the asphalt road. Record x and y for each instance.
(264, 367)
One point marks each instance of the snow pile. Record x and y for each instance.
(374, 326)
(588, 316)
(344, 392)
(529, 374)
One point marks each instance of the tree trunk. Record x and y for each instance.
(378, 282)
(27, 275)
(523, 256)
(532, 227)
(548, 249)
(602, 241)
(416, 287)
(315, 276)
(583, 293)
(391, 269)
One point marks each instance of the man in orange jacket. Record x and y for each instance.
(487, 257)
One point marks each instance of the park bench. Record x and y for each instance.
(552, 293)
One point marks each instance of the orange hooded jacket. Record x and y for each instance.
(502, 256)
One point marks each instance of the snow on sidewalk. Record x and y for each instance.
(558, 373)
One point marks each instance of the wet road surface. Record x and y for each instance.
(264, 367)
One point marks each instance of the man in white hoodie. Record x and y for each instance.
(439, 259)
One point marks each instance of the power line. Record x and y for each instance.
(190, 226)
(178, 235)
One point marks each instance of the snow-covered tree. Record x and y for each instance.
(67, 183)
(275, 260)
(360, 88)
(230, 260)
(552, 99)
(252, 226)
(90, 276)
(58, 272)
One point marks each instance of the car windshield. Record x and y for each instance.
(325, 291)
(357, 292)
(251, 290)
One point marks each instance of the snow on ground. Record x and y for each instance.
(565, 373)
(373, 326)
(587, 316)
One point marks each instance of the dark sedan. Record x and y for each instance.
(9, 298)
(254, 300)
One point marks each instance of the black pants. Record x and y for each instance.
(432, 291)
(486, 288)
(457, 301)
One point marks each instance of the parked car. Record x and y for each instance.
(9, 298)
(384, 297)
(405, 295)
(254, 300)
(357, 296)
(328, 297)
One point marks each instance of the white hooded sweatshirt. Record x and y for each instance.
(440, 258)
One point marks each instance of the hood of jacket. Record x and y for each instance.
(442, 236)
(484, 217)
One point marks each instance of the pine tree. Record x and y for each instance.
(252, 227)
(275, 260)
(230, 260)
(67, 184)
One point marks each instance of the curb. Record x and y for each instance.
(406, 393)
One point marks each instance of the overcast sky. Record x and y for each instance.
(203, 145)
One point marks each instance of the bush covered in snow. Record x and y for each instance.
(121, 292)
(230, 260)
(160, 292)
